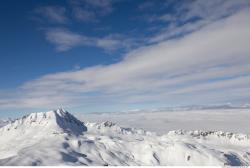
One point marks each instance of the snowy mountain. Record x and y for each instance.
(58, 138)
(4, 122)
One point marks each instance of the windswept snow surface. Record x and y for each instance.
(58, 138)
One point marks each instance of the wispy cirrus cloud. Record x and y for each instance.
(53, 14)
(84, 15)
(192, 15)
(82, 10)
(208, 65)
(64, 40)
(91, 10)
(206, 12)
(209, 10)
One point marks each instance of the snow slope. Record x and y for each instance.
(58, 138)
(3, 123)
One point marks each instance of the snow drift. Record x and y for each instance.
(58, 138)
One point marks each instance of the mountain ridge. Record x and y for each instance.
(58, 138)
(58, 120)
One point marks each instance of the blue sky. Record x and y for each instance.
(116, 55)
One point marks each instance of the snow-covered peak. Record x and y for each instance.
(61, 112)
(4, 122)
(110, 127)
(47, 138)
(56, 121)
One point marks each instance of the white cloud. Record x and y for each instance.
(64, 40)
(91, 10)
(54, 14)
(209, 65)
(84, 15)
(213, 10)
(205, 13)
(161, 18)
